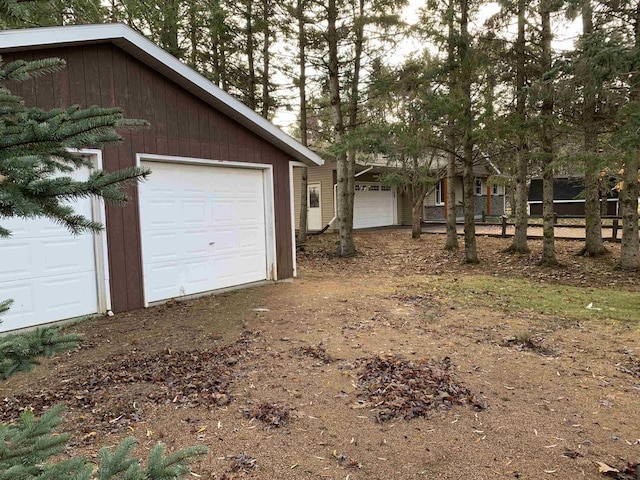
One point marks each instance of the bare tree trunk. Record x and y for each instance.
(416, 219)
(302, 84)
(193, 36)
(548, 238)
(629, 201)
(251, 78)
(169, 33)
(345, 207)
(353, 110)
(470, 251)
(594, 245)
(452, 232)
(519, 243)
(266, 57)
(629, 206)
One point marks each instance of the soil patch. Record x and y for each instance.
(277, 402)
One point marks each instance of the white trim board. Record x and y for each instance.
(269, 205)
(157, 58)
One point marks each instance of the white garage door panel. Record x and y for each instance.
(203, 228)
(373, 208)
(49, 273)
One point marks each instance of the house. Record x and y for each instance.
(216, 212)
(379, 205)
(568, 196)
(375, 204)
(489, 198)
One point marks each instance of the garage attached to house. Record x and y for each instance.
(215, 213)
(374, 205)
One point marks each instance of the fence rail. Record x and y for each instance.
(503, 220)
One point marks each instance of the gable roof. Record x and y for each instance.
(149, 53)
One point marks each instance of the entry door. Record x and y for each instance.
(314, 210)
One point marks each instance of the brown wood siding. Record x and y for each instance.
(181, 125)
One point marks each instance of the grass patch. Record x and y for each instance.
(517, 294)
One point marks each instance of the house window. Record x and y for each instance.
(478, 187)
(495, 189)
(440, 193)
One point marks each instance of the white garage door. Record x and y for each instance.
(203, 228)
(374, 206)
(49, 273)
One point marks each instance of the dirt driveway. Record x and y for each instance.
(375, 367)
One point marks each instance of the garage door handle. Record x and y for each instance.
(212, 243)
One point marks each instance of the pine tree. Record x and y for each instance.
(35, 156)
(27, 448)
(35, 181)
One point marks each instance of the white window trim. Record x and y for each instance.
(100, 242)
(475, 187)
(439, 187)
(269, 204)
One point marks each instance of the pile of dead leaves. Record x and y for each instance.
(632, 368)
(395, 388)
(113, 394)
(314, 351)
(272, 414)
(526, 341)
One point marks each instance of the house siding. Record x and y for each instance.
(181, 125)
(322, 175)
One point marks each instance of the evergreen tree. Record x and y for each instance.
(35, 156)
(28, 451)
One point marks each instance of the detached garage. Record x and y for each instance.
(215, 213)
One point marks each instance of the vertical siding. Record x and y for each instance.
(181, 125)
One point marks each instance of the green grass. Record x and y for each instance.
(517, 294)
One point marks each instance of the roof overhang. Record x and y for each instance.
(155, 57)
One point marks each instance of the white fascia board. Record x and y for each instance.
(149, 53)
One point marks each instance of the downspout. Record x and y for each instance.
(335, 203)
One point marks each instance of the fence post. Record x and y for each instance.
(504, 226)
(484, 216)
(614, 230)
(555, 218)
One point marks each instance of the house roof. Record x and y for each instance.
(149, 53)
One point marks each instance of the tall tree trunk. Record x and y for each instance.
(519, 243)
(302, 85)
(452, 231)
(266, 18)
(548, 238)
(169, 32)
(345, 208)
(416, 218)
(251, 77)
(470, 251)
(353, 109)
(629, 202)
(629, 206)
(417, 195)
(193, 35)
(594, 245)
